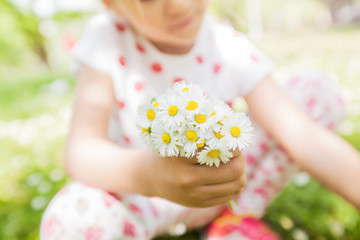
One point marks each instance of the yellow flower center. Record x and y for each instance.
(213, 114)
(144, 130)
(218, 135)
(200, 118)
(192, 105)
(166, 138)
(191, 136)
(200, 144)
(150, 115)
(235, 131)
(214, 153)
(156, 104)
(185, 89)
(173, 110)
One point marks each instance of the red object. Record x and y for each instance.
(263, 147)
(68, 42)
(129, 229)
(120, 27)
(217, 68)
(139, 85)
(135, 209)
(122, 60)
(50, 225)
(127, 139)
(156, 67)
(140, 48)
(229, 103)
(246, 226)
(176, 80)
(121, 104)
(93, 233)
(254, 58)
(250, 159)
(110, 198)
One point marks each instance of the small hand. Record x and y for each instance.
(188, 183)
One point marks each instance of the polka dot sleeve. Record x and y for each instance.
(257, 66)
(246, 64)
(96, 47)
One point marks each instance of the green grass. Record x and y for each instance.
(31, 139)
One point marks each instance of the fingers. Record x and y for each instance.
(224, 189)
(219, 200)
(223, 193)
(230, 171)
(193, 160)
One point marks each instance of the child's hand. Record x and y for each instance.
(186, 182)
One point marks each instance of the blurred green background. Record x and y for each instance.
(36, 91)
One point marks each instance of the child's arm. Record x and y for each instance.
(90, 157)
(326, 156)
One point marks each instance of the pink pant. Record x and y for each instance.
(80, 212)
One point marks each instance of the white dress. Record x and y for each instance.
(223, 62)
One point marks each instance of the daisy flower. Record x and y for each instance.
(164, 141)
(184, 88)
(195, 102)
(146, 114)
(220, 111)
(171, 110)
(193, 95)
(213, 156)
(146, 136)
(213, 136)
(203, 119)
(237, 130)
(191, 138)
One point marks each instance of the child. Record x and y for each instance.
(138, 49)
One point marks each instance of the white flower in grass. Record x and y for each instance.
(191, 138)
(237, 131)
(146, 114)
(214, 155)
(171, 110)
(165, 141)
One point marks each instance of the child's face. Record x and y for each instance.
(168, 22)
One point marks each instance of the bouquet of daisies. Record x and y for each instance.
(185, 122)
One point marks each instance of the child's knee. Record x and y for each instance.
(319, 96)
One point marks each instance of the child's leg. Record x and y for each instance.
(83, 212)
(269, 168)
